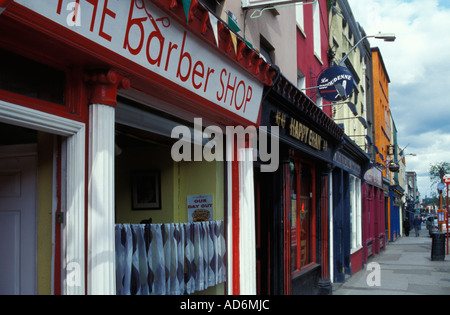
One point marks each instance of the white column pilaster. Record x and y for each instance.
(101, 267)
(247, 242)
(101, 239)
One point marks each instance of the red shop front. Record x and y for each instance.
(64, 66)
(373, 213)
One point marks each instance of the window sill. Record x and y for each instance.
(354, 250)
(302, 272)
(318, 58)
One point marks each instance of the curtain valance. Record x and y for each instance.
(172, 259)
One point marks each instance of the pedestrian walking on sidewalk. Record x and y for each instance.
(416, 224)
(406, 226)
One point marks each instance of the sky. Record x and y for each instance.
(418, 65)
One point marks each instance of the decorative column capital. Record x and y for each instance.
(104, 86)
(4, 4)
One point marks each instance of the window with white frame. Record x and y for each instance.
(301, 80)
(355, 212)
(316, 29)
(299, 17)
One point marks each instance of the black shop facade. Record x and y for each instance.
(292, 204)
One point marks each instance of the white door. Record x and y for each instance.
(18, 181)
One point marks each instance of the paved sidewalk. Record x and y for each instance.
(405, 268)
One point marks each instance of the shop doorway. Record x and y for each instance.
(263, 212)
(71, 237)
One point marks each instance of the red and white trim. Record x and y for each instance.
(241, 249)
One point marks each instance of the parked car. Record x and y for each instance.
(434, 226)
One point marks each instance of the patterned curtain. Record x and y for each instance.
(169, 259)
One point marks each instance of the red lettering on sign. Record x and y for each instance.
(199, 70)
(235, 100)
(210, 71)
(106, 11)
(132, 22)
(94, 13)
(59, 7)
(248, 97)
(160, 39)
(219, 98)
(184, 55)
(171, 47)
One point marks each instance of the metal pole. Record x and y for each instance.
(440, 207)
(447, 217)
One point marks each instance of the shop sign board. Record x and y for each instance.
(335, 83)
(374, 176)
(143, 34)
(441, 216)
(299, 131)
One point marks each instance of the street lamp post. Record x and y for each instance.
(447, 182)
(387, 37)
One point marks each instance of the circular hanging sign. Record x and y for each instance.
(394, 167)
(447, 179)
(335, 83)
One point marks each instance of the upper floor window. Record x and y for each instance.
(301, 80)
(316, 29)
(299, 17)
(267, 50)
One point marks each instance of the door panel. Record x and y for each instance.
(18, 224)
(10, 247)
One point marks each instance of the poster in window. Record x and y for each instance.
(200, 208)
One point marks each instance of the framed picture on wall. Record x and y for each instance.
(146, 189)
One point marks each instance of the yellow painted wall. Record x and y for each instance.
(145, 158)
(178, 180)
(44, 213)
(341, 34)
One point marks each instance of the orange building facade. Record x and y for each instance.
(382, 126)
(382, 119)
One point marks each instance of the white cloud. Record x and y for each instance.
(418, 66)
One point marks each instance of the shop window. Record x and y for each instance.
(302, 216)
(355, 212)
(301, 80)
(316, 29)
(29, 78)
(267, 50)
(299, 17)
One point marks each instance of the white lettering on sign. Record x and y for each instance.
(143, 34)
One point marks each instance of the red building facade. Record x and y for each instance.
(312, 48)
